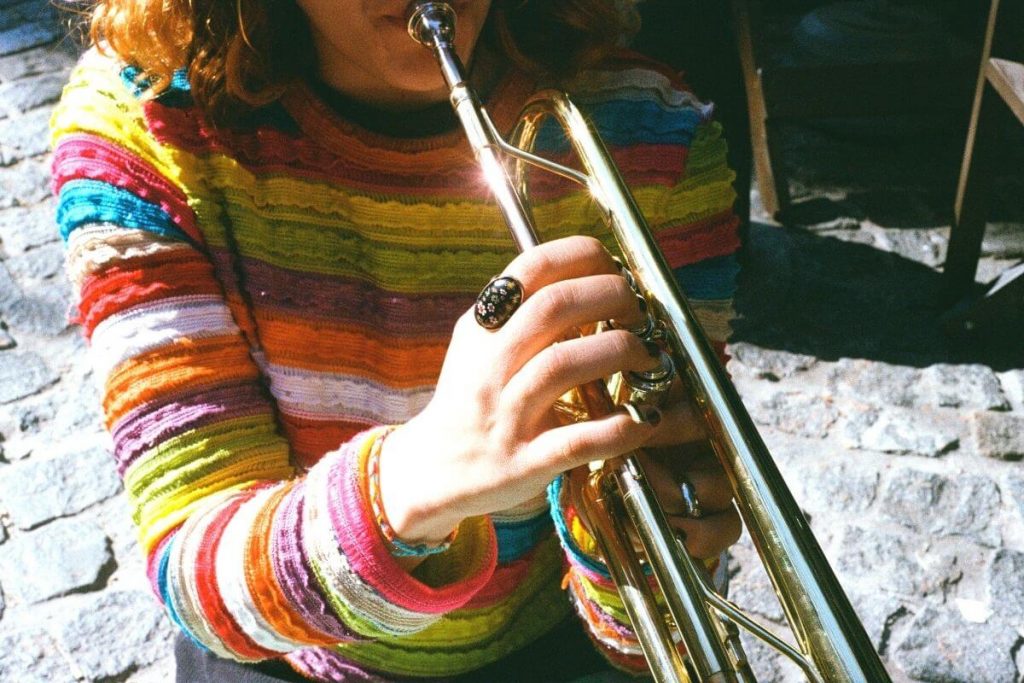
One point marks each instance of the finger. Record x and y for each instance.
(711, 487)
(564, 365)
(557, 311)
(680, 426)
(563, 448)
(708, 536)
(561, 259)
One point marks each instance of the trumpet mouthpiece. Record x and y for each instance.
(432, 23)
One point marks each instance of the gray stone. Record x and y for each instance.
(924, 246)
(132, 619)
(903, 430)
(842, 487)
(31, 656)
(6, 340)
(877, 558)
(1015, 485)
(881, 615)
(22, 229)
(1006, 584)
(1002, 240)
(2, 605)
(940, 646)
(958, 506)
(24, 136)
(44, 311)
(998, 435)
(28, 35)
(875, 383)
(10, 292)
(32, 416)
(42, 263)
(59, 558)
(23, 373)
(969, 506)
(910, 497)
(24, 184)
(3, 533)
(41, 60)
(796, 413)
(20, 96)
(750, 586)
(768, 363)
(963, 386)
(37, 491)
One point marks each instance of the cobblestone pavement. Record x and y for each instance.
(902, 449)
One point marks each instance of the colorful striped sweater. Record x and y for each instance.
(260, 300)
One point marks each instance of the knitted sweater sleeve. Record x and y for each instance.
(250, 558)
(672, 156)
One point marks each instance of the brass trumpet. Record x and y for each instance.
(832, 643)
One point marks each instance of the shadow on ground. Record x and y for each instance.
(829, 298)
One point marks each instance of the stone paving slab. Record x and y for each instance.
(903, 447)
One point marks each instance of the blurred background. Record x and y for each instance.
(879, 346)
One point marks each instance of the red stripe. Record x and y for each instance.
(717, 235)
(155, 277)
(210, 602)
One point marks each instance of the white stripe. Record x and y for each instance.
(600, 86)
(231, 576)
(320, 395)
(92, 247)
(332, 565)
(182, 580)
(151, 326)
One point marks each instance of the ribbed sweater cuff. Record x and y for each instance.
(461, 571)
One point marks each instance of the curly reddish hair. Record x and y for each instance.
(242, 55)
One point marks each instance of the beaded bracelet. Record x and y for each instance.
(397, 546)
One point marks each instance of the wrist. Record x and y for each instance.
(409, 517)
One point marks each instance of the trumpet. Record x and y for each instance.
(615, 499)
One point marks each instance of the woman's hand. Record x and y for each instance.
(718, 525)
(489, 439)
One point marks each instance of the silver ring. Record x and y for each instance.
(498, 301)
(691, 504)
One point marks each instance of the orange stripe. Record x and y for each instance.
(192, 364)
(266, 592)
(310, 439)
(401, 363)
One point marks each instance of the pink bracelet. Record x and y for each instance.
(397, 546)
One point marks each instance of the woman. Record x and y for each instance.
(277, 250)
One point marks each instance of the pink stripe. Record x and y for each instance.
(82, 155)
(360, 541)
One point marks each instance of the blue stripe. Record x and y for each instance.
(165, 595)
(618, 124)
(516, 539)
(87, 202)
(713, 278)
(576, 555)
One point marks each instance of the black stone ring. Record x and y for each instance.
(498, 301)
